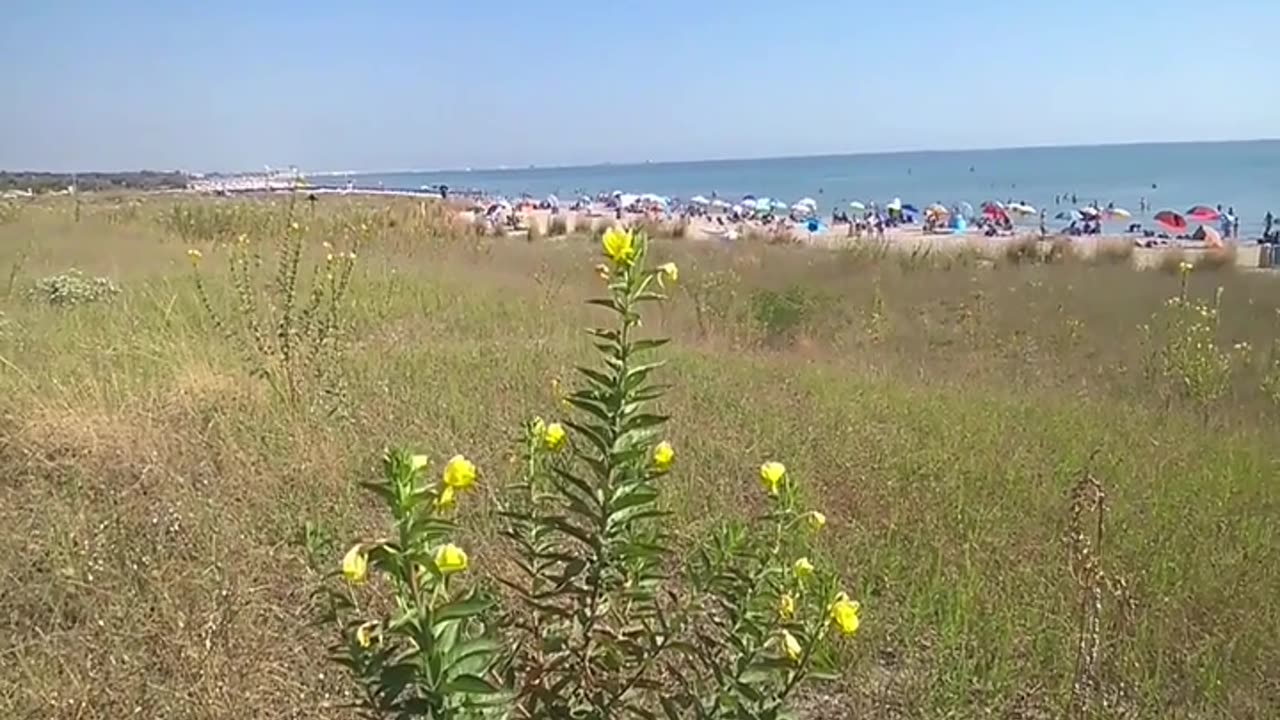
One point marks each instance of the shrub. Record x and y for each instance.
(1022, 249)
(72, 288)
(1113, 252)
(286, 333)
(610, 619)
(1172, 262)
(779, 315)
(1221, 258)
(557, 226)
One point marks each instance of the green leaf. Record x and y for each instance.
(473, 648)
(589, 405)
(469, 605)
(643, 345)
(470, 685)
(639, 422)
(609, 303)
(603, 381)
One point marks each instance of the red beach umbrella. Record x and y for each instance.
(1204, 213)
(1171, 220)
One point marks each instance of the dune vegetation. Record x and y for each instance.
(1050, 482)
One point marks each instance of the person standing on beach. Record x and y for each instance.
(1267, 222)
(1044, 231)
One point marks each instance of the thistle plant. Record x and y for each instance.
(429, 652)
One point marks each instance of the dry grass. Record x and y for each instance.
(939, 408)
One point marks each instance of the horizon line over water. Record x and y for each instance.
(1239, 174)
(760, 158)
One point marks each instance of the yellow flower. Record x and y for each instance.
(619, 246)
(365, 633)
(663, 456)
(1185, 267)
(772, 474)
(816, 520)
(450, 559)
(194, 256)
(417, 462)
(460, 473)
(554, 436)
(447, 500)
(803, 568)
(844, 613)
(668, 271)
(786, 606)
(791, 646)
(328, 258)
(355, 565)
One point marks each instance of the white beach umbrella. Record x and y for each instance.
(719, 203)
(810, 202)
(1120, 213)
(699, 200)
(857, 205)
(895, 204)
(749, 203)
(804, 208)
(1090, 211)
(778, 205)
(739, 208)
(626, 199)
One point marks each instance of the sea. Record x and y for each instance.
(1244, 176)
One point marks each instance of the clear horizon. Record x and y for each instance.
(326, 84)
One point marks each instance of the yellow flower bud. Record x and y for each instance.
(668, 271)
(772, 475)
(803, 568)
(554, 436)
(447, 500)
(786, 606)
(460, 473)
(355, 565)
(663, 456)
(790, 646)
(417, 462)
(603, 271)
(450, 559)
(816, 520)
(365, 633)
(844, 613)
(194, 256)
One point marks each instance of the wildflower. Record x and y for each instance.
(803, 568)
(844, 613)
(459, 473)
(786, 606)
(194, 255)
(328, 246)
(816, 520)
(447, 501)
(355, 565)
(791, 646)
(1185, 267)
(668, 271)
(294, 226)
(554, 436)
(450, 559)
(351, 256)
(328, 258)
(772, 474)
(619, 246)
(417, 462)
(365, 633)
(603, 271)
(663, 456)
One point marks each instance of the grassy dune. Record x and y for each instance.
(940, 409)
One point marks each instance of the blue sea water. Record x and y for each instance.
(1242, 175)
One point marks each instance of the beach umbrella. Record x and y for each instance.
(1171, 220)
(749, 202)
(1120, 213)
(808, 201)
(966, 210)
(1089, 211)
(1067, 215)
(909, 208)
(857, 205)
(719, 203)
(1022, 209)
(1203, 212)
(738, 209)
(778, 205)
(895, 204)
(699, 200)
(802, 208)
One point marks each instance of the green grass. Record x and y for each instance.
(150, 487)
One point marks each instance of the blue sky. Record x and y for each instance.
(391, 84)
